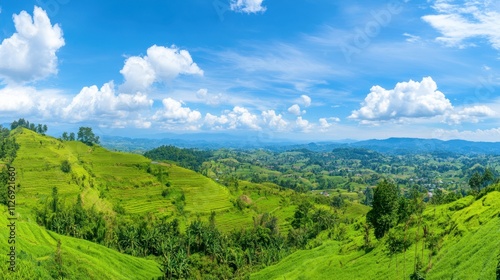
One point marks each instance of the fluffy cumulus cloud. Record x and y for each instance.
(174, 112)
(407, 100)
(302, 124)
(93, 103)
(460, 21)
(326, 123)
(238, 117)
(412, 100)
(28, 101)
(295, 110)
(274, 121)
(305, 100)
(247, 6)
(161, 64)
(30, 53)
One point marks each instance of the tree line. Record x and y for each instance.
(38, 128)
(202, 250)
(84, 135)
(187, 158)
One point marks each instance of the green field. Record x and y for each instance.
(468, 251)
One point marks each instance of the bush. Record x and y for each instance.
(65, 166)
(165, 193)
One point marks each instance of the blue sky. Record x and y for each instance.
(308, 70)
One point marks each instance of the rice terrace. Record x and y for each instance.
(250, 139)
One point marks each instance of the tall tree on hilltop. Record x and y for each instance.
(384, 214)
(86, 136)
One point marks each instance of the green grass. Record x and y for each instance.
(81, 259)
(468, 251)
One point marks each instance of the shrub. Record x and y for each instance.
(65, 166)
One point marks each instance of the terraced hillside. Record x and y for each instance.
(467, 248)
(36, 256)
(107, 178)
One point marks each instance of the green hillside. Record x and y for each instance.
(226, 221)
(126, 188)
(107, 178)
(469, 246)
(36, 250)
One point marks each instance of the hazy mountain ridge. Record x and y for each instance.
(386, 146)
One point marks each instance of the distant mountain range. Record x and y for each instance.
(387, 146)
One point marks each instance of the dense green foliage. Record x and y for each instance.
(86, 136)
(384, 214)
(188, 158)
(8, 146)
(38, 128)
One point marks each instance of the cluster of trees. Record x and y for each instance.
(8, 145)
(391, 216)
(8, 151)
(201, 251)
(38, 128)
(187, 158)
(73, 220)
(84, 135)
(479, 181)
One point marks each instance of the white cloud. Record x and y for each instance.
(30, 53)
(303, 124)
(173, 112)
(305, 100)
(274, 121)
(209, 99)
(325, 125)
(411, 38)
(93, 103)
(215, 122)
(247, 6)
(161, 64)
(294, 109)
(463, 21)
(238, 117)
(469, 114)
(28, 101)
(407, 100)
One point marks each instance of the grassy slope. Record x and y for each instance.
(106, 178)
(82, 259)
(469, 252)
(115, 178)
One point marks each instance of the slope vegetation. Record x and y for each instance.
(468, 247)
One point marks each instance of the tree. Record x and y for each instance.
(44, 129)
(384, 214)
(368, 196)
(65, 166)
(301, 217)
(475, 181)
(4, 179)
(72, 136)
(86, 136)
(65, 136)
(487, 178)
(337, 201)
